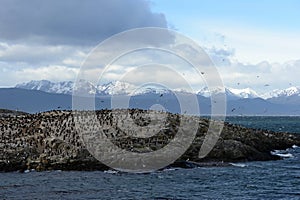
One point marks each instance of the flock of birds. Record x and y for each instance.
(55, 133)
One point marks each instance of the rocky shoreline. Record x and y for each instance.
(49, 141)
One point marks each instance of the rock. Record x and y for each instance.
(233, 150)
(49, 141)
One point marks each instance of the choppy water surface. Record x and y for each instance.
(264, 180)
(274, 123)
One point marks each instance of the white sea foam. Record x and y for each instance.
(111, 172)
(29, 170)
(238, 164)
(285, 155)
(281, 154)
(171, 169)
(295, 146)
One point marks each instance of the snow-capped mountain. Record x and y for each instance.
(45, 95)
(244, 93)
(287, 96)
(283, 93)
(116, 88)
(206, 92)
(124, 88)
(85, 87)
(65, 87)
(231, 93)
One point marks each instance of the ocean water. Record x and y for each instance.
(274, 123)
(250, 180)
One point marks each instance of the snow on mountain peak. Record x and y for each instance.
(65, 87)
(229, 92)
(86, 87)
(244, 93)
(206, 92)
(124, 88)
(116, 88)
(283, 93)
(154, 89)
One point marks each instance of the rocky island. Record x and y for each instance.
(50, 141)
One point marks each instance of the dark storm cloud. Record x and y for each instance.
(73, 21)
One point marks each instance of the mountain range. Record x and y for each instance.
(123, 88)
(37, 96)
(110, 88)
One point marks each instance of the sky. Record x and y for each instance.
(253, 44)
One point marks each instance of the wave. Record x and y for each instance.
(238, 164)
(281, 154)
(295, 146)
(171, 169)
(29, 170)
(111, 172)
(285, 155)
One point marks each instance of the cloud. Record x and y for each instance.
(263, 76)
(159, 74)
(51, 39)
(73, 21)
(53, 72)
(255, 44)
(221, 56)
(38, 54)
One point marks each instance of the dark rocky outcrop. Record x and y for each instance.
(49, 141)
